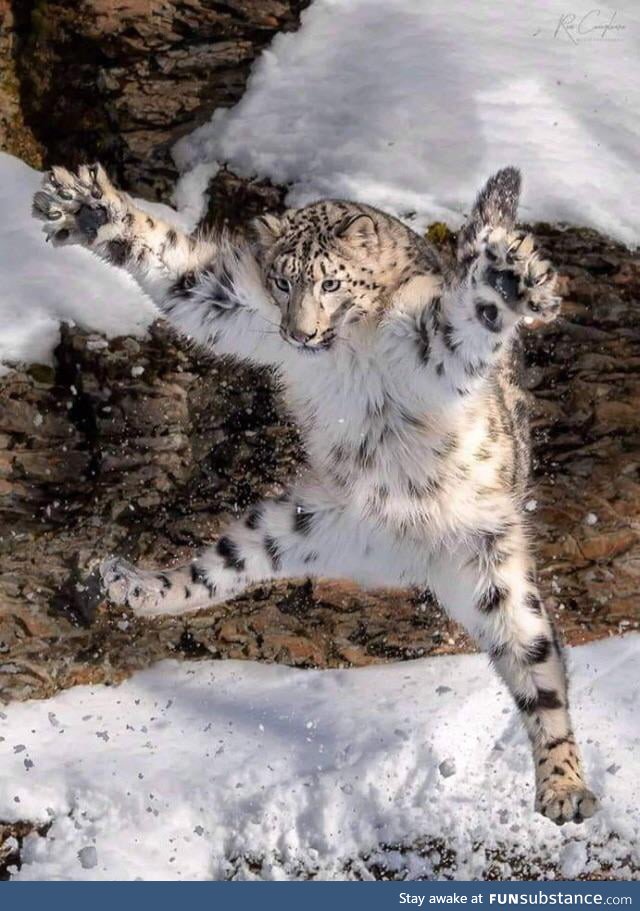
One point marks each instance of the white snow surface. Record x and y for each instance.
(40, 286)
(232, 769)
(411, 105)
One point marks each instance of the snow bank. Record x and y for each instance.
(217, 769)
(41, 286)
(411, 105)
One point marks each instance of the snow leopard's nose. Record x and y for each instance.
(299, 335)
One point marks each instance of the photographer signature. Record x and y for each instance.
(596, 25)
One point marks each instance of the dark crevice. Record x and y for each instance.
(82, 413)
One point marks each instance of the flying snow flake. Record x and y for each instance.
(447, 768)
(88, 857)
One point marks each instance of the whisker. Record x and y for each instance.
(271, 323)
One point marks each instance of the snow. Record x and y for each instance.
(42, 286)
(411, 106)
(233, 769)
(190, 195)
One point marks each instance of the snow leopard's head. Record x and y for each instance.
(328, 265)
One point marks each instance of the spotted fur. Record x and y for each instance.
(402, 377)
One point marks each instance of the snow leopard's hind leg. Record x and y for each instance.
(491, 590)
(295, 536)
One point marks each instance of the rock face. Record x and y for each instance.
(99, 456)
(585, 377)
(122, 80)
(15, 135)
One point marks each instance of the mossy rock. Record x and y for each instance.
(42, 373)
(440, 234)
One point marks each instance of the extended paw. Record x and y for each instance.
(566, 802)
(75, 206)
(512, 271)
(139, 590)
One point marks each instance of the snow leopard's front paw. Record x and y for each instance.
(74, 207)
(139, 590)
(511, 278)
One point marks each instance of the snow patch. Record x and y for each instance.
(227, 768)
(190, 194)
(411, 108)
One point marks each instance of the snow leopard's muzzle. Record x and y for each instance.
(313, 342)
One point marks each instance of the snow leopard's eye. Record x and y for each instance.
(330, 284)
(282, 284)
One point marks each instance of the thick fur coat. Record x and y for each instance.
(401, 376)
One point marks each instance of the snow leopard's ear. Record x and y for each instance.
(357, 228)
(495, 207)
(267, 229)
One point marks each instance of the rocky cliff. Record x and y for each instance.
(141, 448)
(122, 80)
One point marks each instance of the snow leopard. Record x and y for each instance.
(401, 372)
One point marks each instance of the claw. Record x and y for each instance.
(93, 171)
(516, 244)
